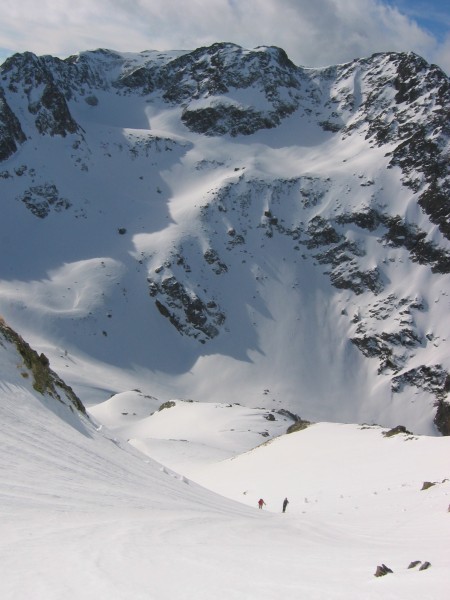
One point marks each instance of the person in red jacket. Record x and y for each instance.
(261, 503)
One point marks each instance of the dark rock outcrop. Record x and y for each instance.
(45, 381)
(11, 133)
(42, 199)
(188, 313)
(382, 570)
(396, 431)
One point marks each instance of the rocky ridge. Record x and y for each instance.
(36, 368)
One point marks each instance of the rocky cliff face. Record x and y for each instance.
(354, 182)
(11, 134)
(36, 369)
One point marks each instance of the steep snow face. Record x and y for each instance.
(221, 225)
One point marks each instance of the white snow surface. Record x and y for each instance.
(84, 515)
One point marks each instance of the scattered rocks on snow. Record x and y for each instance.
(426, 485)
(382, 570)
(269, 417)
(423, 565)
(396, 431)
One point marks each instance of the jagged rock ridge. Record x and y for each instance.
(36, 367)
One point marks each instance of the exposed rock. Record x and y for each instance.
(341, 253)
(189, 314)
(367, 219)
(435, 202)
(222, 119)
(410, 237)
(212, 258)
(382, 570)
(52, 113)
(421, 148)
(287, 413)
(442, 418)
(395, 346)
(299, 425)
(434, 379)
(427, 484)
(321, 233)
(42, 199)
(396, 431)
(168, 404)
(423, 566)
(352, 278)
(91, 100)
(45, 381)
(141, 78)
(46, 99)
(11, 133)
(399, 234)
(373, 346)
(214, 71)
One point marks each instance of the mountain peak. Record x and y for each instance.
(220, 222)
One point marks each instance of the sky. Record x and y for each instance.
(314, 34)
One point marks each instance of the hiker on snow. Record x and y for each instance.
(285, 503)
(261, 503)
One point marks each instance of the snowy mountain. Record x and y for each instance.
(224, 226)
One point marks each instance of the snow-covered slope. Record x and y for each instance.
(224, 226)
(84, 515)
(192, 432)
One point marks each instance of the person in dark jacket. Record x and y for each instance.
(285, 503)
(261, 503)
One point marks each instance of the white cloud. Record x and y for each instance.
(442, 55)
(314, 33)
